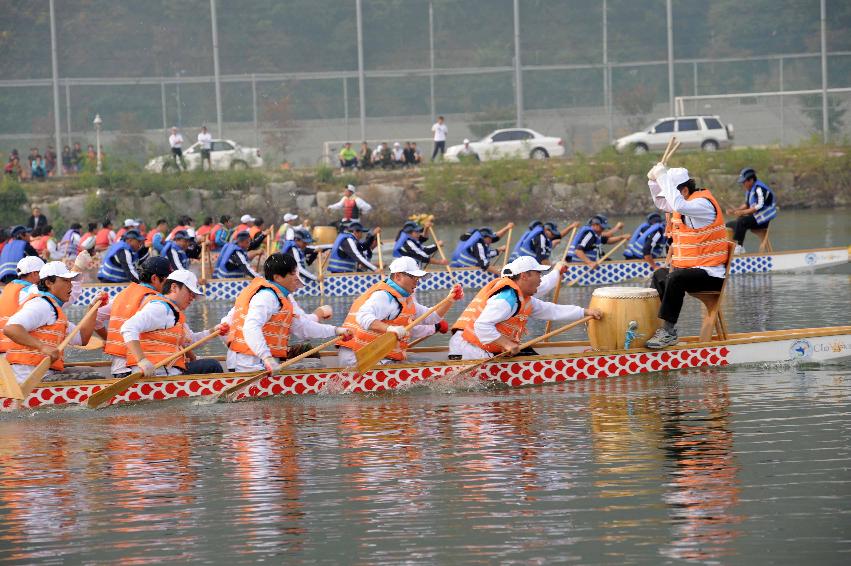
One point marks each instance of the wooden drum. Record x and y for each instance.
(324, 235)
(620, 306)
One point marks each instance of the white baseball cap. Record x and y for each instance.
(678, 175)
(407, 265)
(466, 140)
(29, 264)
(396, 144)
(350, 188)
(187, 278)
(246, 218)
(523, 264)
(289, 217)
(57, 269)
(131, 223)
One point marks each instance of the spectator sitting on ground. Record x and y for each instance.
(467, 153)
(348, 157)
(365, 156)
(50, 160)
(418, 157)
(67, 163)
(398, 155)
(13, 168)
(383, 156)
(77, 157)
(408, 153)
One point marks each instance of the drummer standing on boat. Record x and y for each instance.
(41, 325)
(152, 275)
(353, 207)
(389, 306)
(495, 320)
(159, 330)
(758, 210)
(266, 317)
(699, 246)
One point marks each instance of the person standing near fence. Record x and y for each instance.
(175, 140)
(206, 141)
(440, 130)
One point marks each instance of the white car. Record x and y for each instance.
(224, 154)
(512, 142)
(693, 132)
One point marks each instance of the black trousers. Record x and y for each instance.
(742, 224)
(672, 286)
(438, 146)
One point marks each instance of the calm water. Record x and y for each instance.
(736, 465)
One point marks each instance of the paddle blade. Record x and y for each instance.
(103, 396)
(9, 387)
(35, 377)
(375, 351)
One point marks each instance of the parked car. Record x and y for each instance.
(693, 132)
(224, 154)
(512, 142)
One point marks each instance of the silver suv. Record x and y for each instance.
(704, 132)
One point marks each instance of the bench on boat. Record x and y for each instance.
(713, 320)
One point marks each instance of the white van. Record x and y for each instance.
(693, 132)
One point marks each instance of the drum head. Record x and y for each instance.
(625, 293)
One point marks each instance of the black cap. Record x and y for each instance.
(654, 218)
(180, 235)
(355, 227)
(745, 174)
(486, 232)
(303, 235)
(17, 231)
(132, 235)
(551, 226)
(242, 236)
(412, 227)
(155, 266)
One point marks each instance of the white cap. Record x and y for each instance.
(350, 188)
(187, 278)
(407, 265)
(28, 264)
(56, 268)
(678, 175)
(289, 217)
(523, 264)
(130, 223)
(395, 144)
(466, 140)
(246, 218)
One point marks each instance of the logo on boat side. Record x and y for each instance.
(801, 350)
(810, 259)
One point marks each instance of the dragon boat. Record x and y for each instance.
(556, 362)
(610, 272)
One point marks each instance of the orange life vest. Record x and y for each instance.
(276, 331)
(51, 334)
(83, 238)
(8, 306)
(254, 230)
(149, 239)
(158, 345)
(363, 336)
(699, 247)
(350, 208)
(121, 232)
(238, 229)
(39, 243)
(124, 305)
(102, 238)
(513, 328)
(175, 230)
(203, 231)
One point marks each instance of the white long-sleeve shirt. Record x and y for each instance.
(498, 309)
(261, 307)
(298, 255)
(382, 306)
(698, 212)
(363, 206)
(175, 140)
(32, 315)
(156, 315)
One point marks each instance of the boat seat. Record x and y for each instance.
(713, 320)
(764, 242)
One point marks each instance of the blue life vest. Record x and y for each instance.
(221, 270)
(657, 250)
(288, 245)
(110, 270)
(12, 253)
(166, 253)
(400, 242)
(769, 206)
(338, 263)
(157, 242)
(463, 256)
(580, 235)
(633, 251)
(524, 246)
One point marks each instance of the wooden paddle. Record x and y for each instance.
(507, 248)
(374, 352)
(9, 387)
(95, 343)
(558, 283)
(380, 253)
(103, 396)
(523, 346)
(204, 260)
(320, 268)
(40, 370)
(440, 251)
(228, 392)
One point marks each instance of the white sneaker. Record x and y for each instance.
(740, 249)
(662, 339)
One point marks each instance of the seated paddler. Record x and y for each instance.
(495, 320)
(474, 249)
(234, 261)
(648, 241)
(119, 261)
(390, 306)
